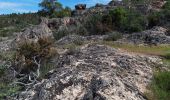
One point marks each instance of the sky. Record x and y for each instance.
(25, 6)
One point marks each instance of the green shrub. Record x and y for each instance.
(119, 16)
(167, 5)
(94, 25)
(165, 16)
(107, 22)
(160, 18)
(153, 19)
(128, 20)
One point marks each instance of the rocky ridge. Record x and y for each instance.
(95, 72)
(154, 36)
(92, 72)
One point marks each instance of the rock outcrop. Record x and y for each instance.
(34, 33)
(5, 45)
(76, 38)
(116, 3)
(80, 6)
(95, 72)
(156, 35)
(157, 4)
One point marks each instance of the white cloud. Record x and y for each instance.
(15, 7)
(99, 1)
(4, 5)
(93, 2)
(23, 10)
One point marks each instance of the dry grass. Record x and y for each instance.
(161, 50)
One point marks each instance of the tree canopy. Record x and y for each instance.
(53, 8)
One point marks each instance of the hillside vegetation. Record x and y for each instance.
(114, 51)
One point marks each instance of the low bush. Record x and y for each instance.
(81, 30)
(114, 36)
(31, 53)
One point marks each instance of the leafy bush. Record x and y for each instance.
(160, 18)
(153, 19)
(119, 16)
(127, 20)
(167, 5)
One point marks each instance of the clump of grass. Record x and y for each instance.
(2, 70)
(78, 41)
(160, 87)
(7, 90)
(114, 36)
(46, 67)
(7, 55)
(60, 33)
(166, 62)
(167, 55)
